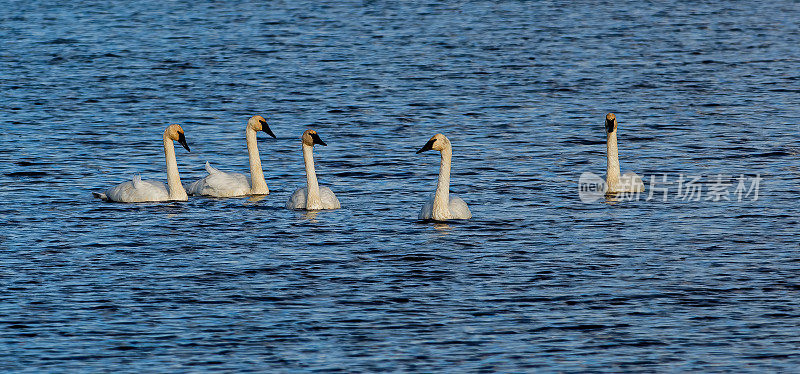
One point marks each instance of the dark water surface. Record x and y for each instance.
(535, 281)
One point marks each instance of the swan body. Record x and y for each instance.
(139, 191)
(224, 184)
(312, 197)
(457, 207)
(327, 198)
(441, 205)
(615, 184)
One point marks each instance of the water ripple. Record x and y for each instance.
(536, 281)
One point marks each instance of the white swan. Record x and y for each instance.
(442, 206)
(138, 190)
(223, 184)
(312, 197)
(628, 182)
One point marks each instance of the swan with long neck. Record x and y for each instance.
(312, 197)
(442, 206)
(615, 184)
(224, 184)
(139, 191)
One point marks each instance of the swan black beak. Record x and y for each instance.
(316, 139)
(610, 126)
(427, 147)
(265, 128)
(182, 140)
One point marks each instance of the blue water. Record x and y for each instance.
(536, 281)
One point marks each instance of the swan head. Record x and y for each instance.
(611, 123)
(310, 138)
(437, 142)
(175, 133)
(258, 123)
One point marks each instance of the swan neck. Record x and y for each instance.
(176, 190)
(612, 167)
(313, 200)
(441, 199)
(258, 186)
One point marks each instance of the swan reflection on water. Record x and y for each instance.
(312, 196)
(141, 191)
(174, 210)
(219, 183)
(612, 199)
(442, 205)
(311, 215)
(256, 198)
(443, 229)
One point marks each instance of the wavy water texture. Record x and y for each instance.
(535, 281)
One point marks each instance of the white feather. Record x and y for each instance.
(139, 191)
(220, 184)
(298, 199)
(458, 208)
(628, 182)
